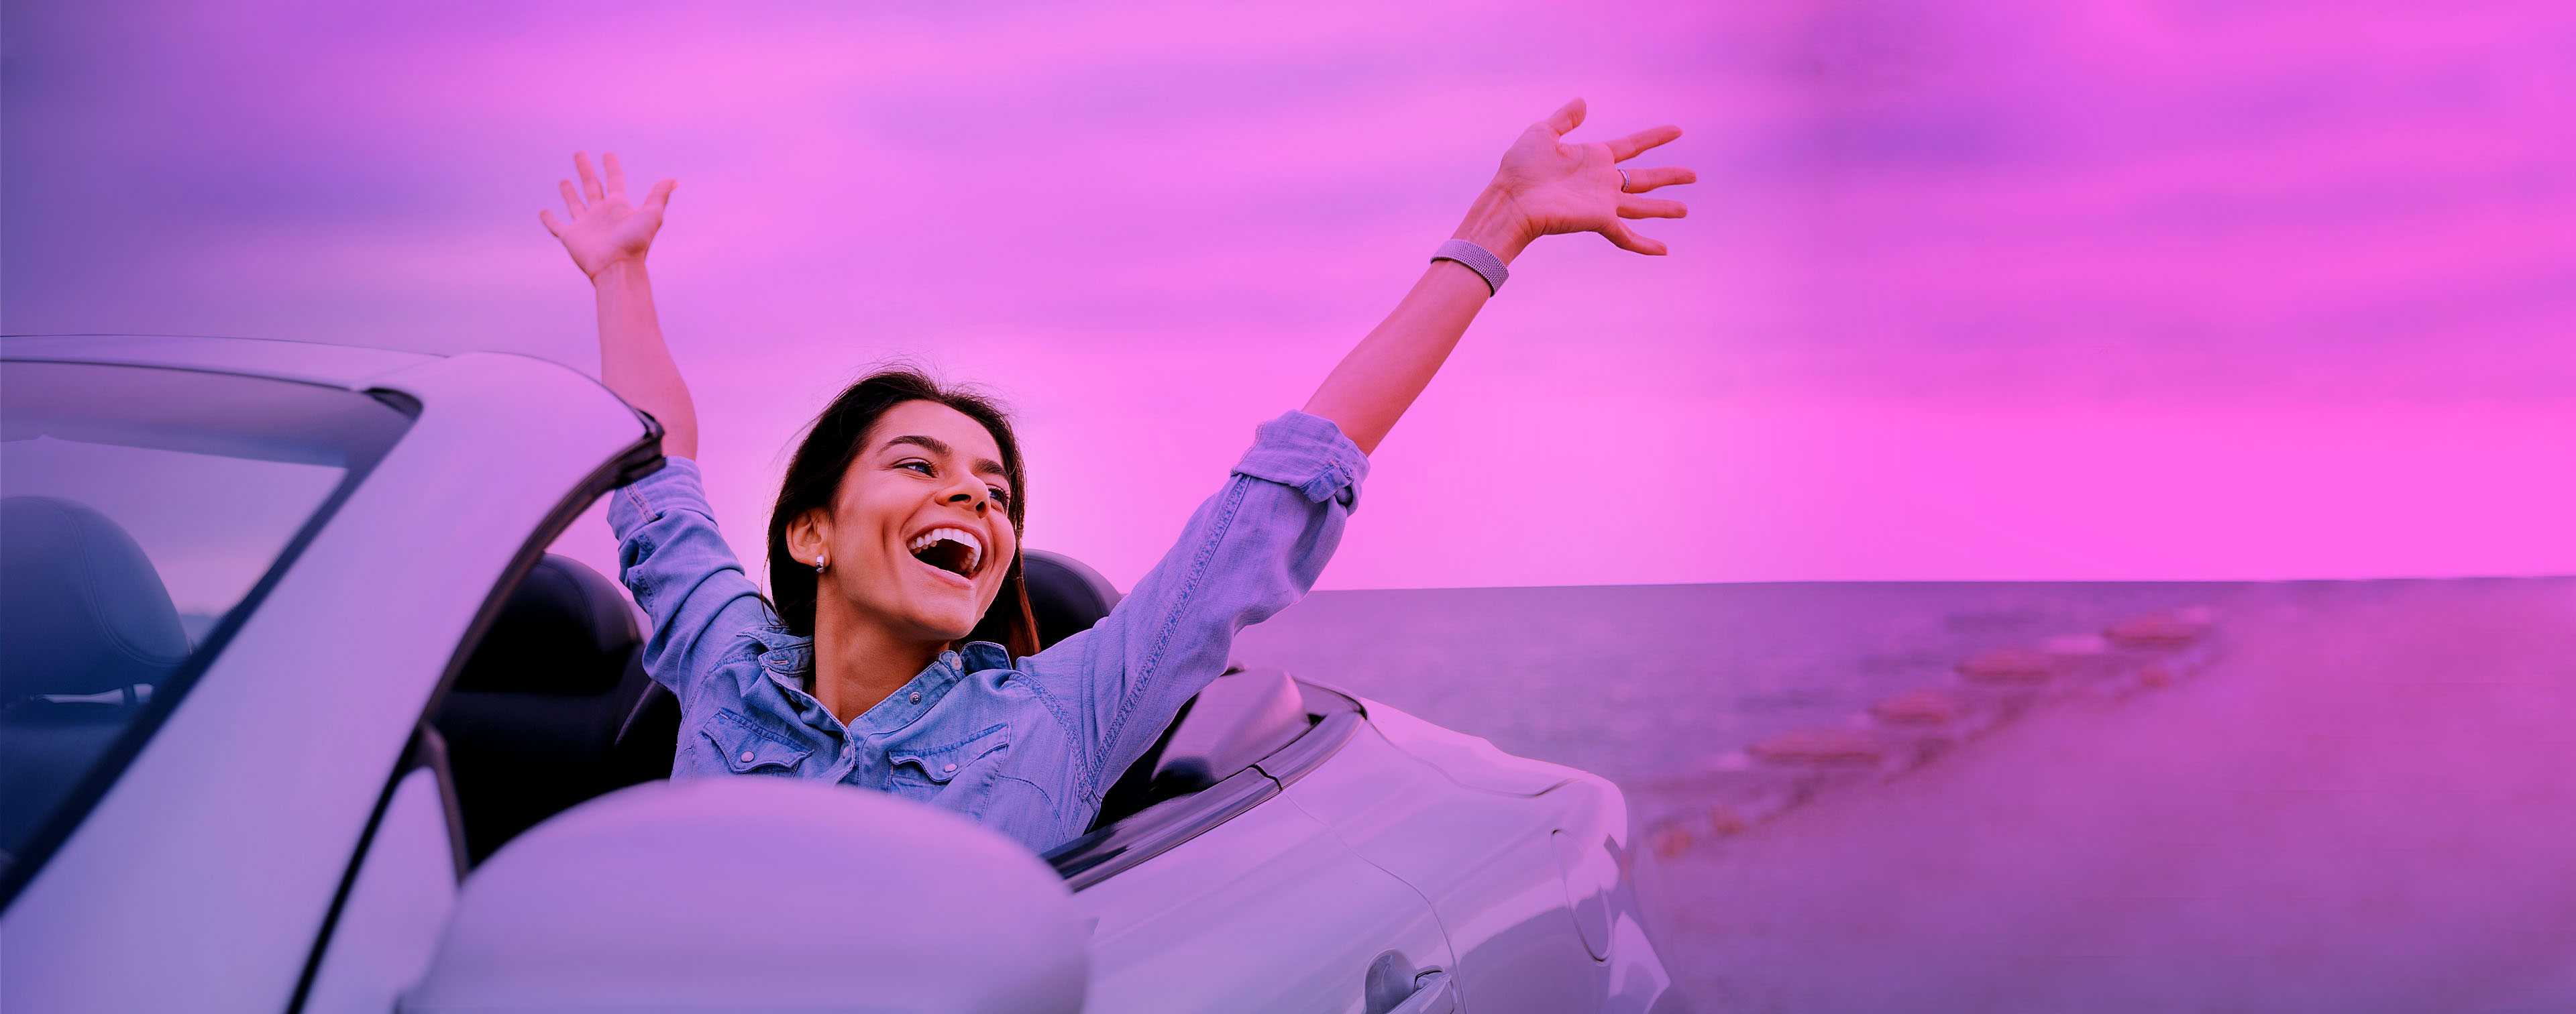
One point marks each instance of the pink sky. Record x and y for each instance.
(1975, 290)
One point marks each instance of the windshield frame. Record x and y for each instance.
(111, 764)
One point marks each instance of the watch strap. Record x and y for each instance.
(1477, 259)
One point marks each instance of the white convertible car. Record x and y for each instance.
(296, 714)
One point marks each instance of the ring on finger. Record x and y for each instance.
(1623, 182)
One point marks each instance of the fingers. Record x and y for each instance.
(1565, 118)
(616, 173)
(1627, 239)
(1625, 148)
(573, 204)
(589, 180)
(1642, 180)
(547, 219)
(660, 197)
(1651, 207)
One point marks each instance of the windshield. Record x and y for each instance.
(142, 513)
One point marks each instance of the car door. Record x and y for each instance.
(1266, 912)
(1528, 864)
(399, 896)
(1230, 897)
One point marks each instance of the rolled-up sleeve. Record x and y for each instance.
(1307, 454)
(1249, 551)
(681, 571)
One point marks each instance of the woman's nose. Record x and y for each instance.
(979, 503)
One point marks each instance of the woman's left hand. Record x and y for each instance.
(1547, 186)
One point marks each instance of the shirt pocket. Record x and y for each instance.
(937, 766)
(747, 749)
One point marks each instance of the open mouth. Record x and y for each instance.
(954, 550)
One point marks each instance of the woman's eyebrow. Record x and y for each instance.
(934, 444)
(983, 466)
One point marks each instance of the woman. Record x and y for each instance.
(898, 654)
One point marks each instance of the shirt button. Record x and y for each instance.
(947, 768)
(746, 756)
(916, 697)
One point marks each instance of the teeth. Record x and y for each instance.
(960, 536)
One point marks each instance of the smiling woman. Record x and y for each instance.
(898, 480)
(895, 650)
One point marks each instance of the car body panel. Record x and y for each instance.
(1471, 761)
(223, 845)
(399, 901)
(1489, 860)
(1268, 912)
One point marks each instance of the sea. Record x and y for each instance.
(1641, 682)
(2039, 796)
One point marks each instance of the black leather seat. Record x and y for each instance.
(88, 631)
(1065, 597)
(533, 723)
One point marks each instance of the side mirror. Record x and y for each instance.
(758, 893)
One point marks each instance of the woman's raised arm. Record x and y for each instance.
(607, 238)
(1545, 186)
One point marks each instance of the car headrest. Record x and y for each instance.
(82, 611)
(1065, 597)
(564, 630)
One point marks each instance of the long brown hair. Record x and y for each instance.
(814, 479)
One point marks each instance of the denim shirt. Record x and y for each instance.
(1027, 745)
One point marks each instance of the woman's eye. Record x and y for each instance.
(921, 466)
(1000, 496)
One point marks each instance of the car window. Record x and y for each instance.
(142, 513)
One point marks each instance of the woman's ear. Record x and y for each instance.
(809, 534)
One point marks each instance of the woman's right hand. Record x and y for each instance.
(605, 230)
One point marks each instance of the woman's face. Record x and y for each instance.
(919, 536)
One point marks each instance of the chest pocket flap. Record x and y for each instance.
(746, 749)
(939, 764)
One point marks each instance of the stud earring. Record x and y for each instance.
(818, 563)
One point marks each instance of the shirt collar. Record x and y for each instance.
(912, 700)
(979, 656)
(791, 658)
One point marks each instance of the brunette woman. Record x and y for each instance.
(894, 650)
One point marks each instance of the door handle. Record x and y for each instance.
(1433, 993)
